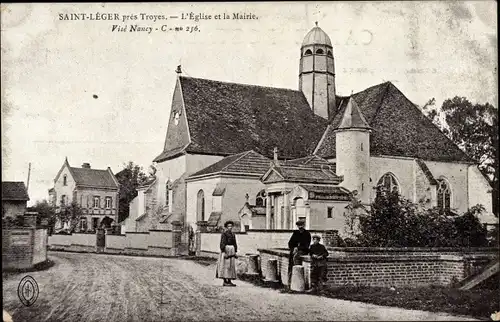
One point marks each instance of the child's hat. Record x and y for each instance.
(318, 237)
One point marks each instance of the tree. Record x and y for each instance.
(130, 178)
(474, 128)
(71, 214)
(45, 212)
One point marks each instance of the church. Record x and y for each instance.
(265, 157)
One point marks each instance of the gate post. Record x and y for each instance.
(176, 237)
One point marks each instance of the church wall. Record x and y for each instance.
(319, 215)
(234, 197)
(192, 189)
(478, 193)
(197, 162)
(423, 189)
(170, 169)
(456, 174)
(402, 168)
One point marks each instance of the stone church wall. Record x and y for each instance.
(402, 168)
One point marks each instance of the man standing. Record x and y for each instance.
(299, 246)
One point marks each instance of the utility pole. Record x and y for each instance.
(28, 182)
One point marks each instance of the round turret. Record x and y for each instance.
(316, 37)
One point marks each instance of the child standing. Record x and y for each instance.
(319, 256)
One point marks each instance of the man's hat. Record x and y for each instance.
(318, 237)
(300, 223)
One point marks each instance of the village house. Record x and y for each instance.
(95, 191)
(14, 199)
(265, 156)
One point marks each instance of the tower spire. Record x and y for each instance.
(316, 24)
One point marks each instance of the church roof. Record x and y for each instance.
(227, 118)
(311, 161)
(316, 37)
(351, 117)
(249, 163)
(399, 128)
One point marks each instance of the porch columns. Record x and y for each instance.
(286, 205)
(277, 214)
(268, 212)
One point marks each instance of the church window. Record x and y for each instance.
(260, 200)
(308, 52)
(443, 195)
(388, 183)
(329, 53)
(362, 187)
(200, 206)
(320, 51)
(65, 180)
(361, 146)
(167, 193)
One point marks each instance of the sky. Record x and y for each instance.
(77, 89)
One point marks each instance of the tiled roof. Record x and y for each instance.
(14, 191)
(310, 161)
(399, 128)
(352, 117)
(249, 162)
(93, 177)
(170, 154)
(305, 174)
(227, 118)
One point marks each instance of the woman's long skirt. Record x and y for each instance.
(226, 267)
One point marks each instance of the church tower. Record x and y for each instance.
(352, 151)
(317, 72)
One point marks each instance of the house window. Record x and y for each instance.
(109, 202)
(443, 195)
(200, 205)
(388, 183)
(329, 213)
(97, 202)
(260, 200)
(65, 180)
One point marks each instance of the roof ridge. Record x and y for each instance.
(242, 84)
(243, 154)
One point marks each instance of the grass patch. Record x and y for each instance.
(480, 303)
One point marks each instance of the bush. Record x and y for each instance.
(397, 222)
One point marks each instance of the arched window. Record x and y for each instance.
(200, 206)
(65, 180)
(329, 53)
(308, 52)
(388, 183)
(260, 200)
(443, 195)
(320, 51)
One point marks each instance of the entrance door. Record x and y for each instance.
(95, 223)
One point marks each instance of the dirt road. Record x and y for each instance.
(91, 287)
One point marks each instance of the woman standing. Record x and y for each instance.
(226, 266)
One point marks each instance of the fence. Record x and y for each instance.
(23, 248)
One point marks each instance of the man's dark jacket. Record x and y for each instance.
(301, 240)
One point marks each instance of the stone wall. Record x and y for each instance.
(154, 243)
(22, 248)
(390, 266)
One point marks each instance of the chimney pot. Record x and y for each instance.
(86, 165)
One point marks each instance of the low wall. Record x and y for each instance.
(154, 243)
(390, 266)
(250, 241)
(23, 248)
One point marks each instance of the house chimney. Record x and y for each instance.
(86, 165)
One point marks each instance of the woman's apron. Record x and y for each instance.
(226, 265)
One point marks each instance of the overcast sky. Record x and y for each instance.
(51, 69)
